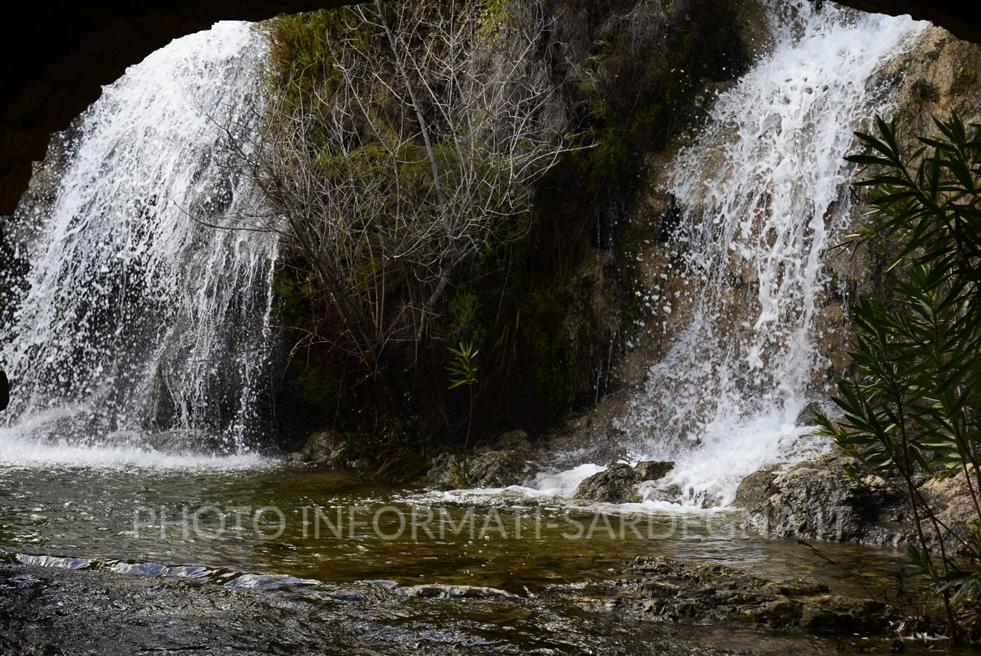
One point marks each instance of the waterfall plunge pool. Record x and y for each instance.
(88, 551)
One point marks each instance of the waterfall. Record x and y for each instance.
(139, 318)
(763, 192)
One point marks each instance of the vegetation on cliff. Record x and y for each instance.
(472, 192)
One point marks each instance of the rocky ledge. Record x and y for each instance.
(661, 589)
(821, 500)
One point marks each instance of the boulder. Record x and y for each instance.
(323, 448)
(818, 500)
(808, 415)
(755, 490)
(494, 468)
(653, 470)
(615, 484)
(499, 468)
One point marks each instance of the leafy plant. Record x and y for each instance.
(913, 410)
(462, 370)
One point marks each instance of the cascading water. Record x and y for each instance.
(763, 193)
(137, 317)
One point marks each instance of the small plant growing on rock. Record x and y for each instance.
(914, 410)
(462, 371)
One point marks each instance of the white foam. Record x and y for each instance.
(21, 446)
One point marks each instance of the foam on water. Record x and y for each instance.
(15, 451)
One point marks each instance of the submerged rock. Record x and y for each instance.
(668, 590)
(842, 614)
(615, 484)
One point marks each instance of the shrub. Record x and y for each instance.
(913, 410)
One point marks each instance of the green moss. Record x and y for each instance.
(295, 296)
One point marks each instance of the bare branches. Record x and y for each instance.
(411, 155)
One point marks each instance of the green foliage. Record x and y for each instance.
(464, 309)
(462, 371)
(915, 407)
(462, 367)
(461, 471)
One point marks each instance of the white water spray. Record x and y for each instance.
(763, 193)
(136, 317)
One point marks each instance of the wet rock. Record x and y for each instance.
(499, 468)
(441, 591)
(779, 612)
(670, 493)
(824, 499)
(493, 468)
(179, 441)
(663, 589)
(754, 490)
(797, 588)
(439, 474)
(653, 470)
(323, 448)
(843, 614)
(615, 484)
(808, 415)
(817, 499)
(951, 500)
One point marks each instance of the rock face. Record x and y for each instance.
(939, 74)
(57, 55)
(959, 18)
